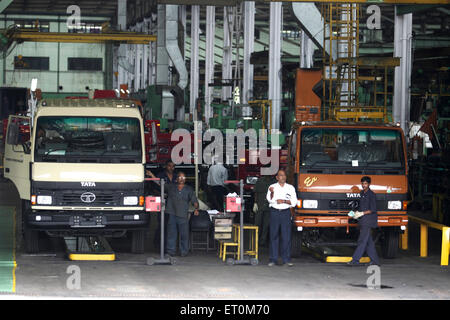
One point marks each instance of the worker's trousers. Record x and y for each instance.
(280, 229)
(366, 244)
(181, 225)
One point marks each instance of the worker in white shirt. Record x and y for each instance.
(217, 175)
(281, 197)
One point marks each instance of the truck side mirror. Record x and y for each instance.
(13, 134)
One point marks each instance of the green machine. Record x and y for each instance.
(228, 117)
(153, 110)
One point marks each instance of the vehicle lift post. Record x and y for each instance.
(162, 260)
(241, 260)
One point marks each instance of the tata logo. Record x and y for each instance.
(88, 197)
(87, 184)
(353, 195)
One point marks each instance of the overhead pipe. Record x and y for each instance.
(172, 45)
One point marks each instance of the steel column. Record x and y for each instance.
(195, 72)
(121, 26)
(209, 59)
(276, 19)
(402, 75)
(227, 71)
(249, 47)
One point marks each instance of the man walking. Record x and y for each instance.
(367, 219)
(281, 197)
(179, 197)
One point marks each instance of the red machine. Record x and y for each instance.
(251, 172)
(158, 144)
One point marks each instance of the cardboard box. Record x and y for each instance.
(233, 204)
(152, 204)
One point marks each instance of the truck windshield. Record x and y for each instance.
(371, 148)
(88, 139)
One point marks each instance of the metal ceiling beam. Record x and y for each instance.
(121, 37)
(396, 2)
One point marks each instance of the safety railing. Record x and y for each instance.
(424, 225)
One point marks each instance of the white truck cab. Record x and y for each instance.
(79, 169)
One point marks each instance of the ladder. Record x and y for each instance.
(344, 72)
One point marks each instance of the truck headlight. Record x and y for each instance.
(130, 201)
(310, 204)
(251, 180)
(394, 205)
(44, 200)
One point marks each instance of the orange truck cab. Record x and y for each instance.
(328, 160)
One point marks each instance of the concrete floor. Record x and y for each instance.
(202, 276)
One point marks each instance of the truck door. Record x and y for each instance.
(17, 158)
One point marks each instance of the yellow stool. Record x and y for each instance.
(253, 248)
(223, 244)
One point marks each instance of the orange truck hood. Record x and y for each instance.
(337, 183)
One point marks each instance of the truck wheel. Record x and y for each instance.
(296, 243)
(137, 241)
(31, 238)
(389, 245)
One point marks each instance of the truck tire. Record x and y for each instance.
(137, 241)
(296, 243)
(389, 245)
(31, 237)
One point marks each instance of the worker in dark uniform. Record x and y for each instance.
(367, 220)
(179, 197)
(170, 177)
(262, 209)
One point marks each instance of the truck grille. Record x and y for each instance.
(343, 204)
(101, 199)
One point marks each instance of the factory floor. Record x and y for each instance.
(203, 276)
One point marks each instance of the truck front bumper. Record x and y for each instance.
(322, 221)
(46, 219)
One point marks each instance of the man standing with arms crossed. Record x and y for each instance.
(281, 197)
